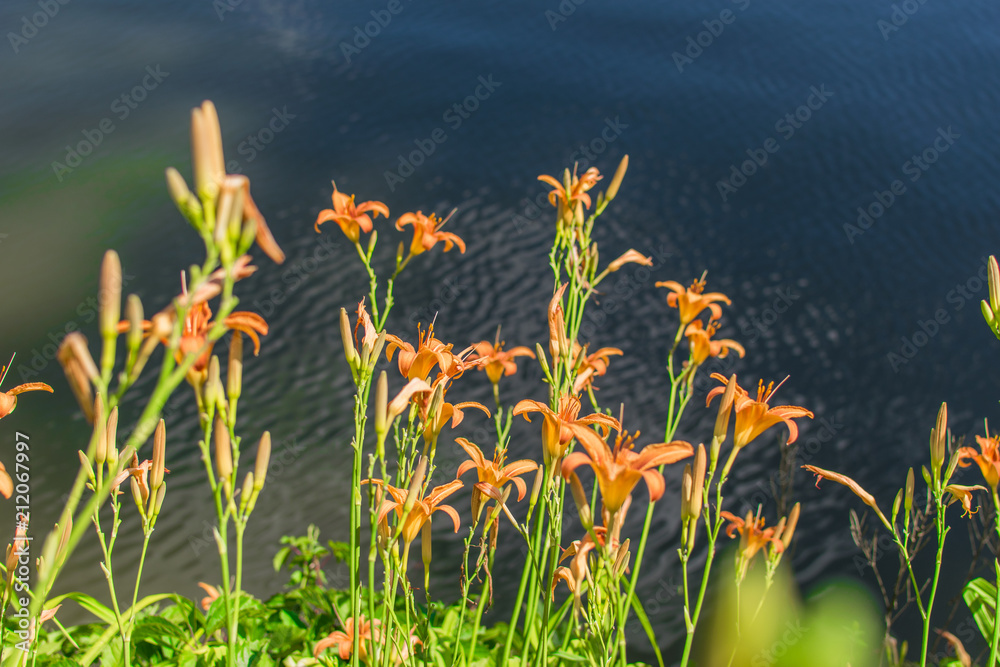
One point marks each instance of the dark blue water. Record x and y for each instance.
(900, 122)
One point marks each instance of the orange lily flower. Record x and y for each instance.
(692, 300)
(198, 323)
(493, 473)
(753, 417)
(578, 188)
(343, 640)
(988, 457)
(591, 366)
(433, 424)
(557, 426)
(498, 362)
(213, 595)
(8, 399)
(418, 363)
(422, 510)
(703, 346)
(427, 232)
(753, 537)
(619, 470)
(963, 494)
(352, 218)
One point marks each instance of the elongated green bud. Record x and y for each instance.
(908, 496)
(112, 439)
(616, 181)
(381, 404)
(793, 520)
(686, 486)
(994, 280)
(247, 492)
(158, 503)
(725, 408)
(234, 371)
(223, 452)
(159, 456)
(110, 296)
(263, 459)
(133, 312)
(939, 437)
(347, 337)
(85, 463)
(582, 504)
(416, 483)
(895, 506)
(698, 481)
(101, 428)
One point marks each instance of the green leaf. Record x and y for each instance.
(980, 595)
(88, 603)
(156, 629)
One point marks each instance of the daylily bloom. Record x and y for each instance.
(557, 325)
(557, 426)
(570, 197)
(498, 362)
(619, 470)
(753, 537)
(963, 494)
(753, 417)
(433, 423)
(579, 569)
(493, 473)
(427, 232)
(692, 300)
(352, 218)
(418, 363)
(591, 366)
(343, 640)
(422, 510)
(213, 595)
(703, 346)
(988, 457)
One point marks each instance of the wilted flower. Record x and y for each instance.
(963, 494)
(213, 595)
(352, 218)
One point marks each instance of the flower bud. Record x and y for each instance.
(686, 485)
(80, 370)
(994, 282)
(536, 487)
(895, 506)
(580, 498)
(133, 311)
(206, 148)
(725, 408)
(110, 296)
(939, 438)
(223, 452)
(616, 180)
(234, 371)
(698, 481)
(158, 503)
(112, 438)
(186, 202)
(908, 496)
(425, 544)
(214, 395)
(159, 455)
(101, 432)
(84, 463)
(246, 492)
(789, 532)
(348, 340)
(381, 404)
(139, 495)
(263, 459)
(416, 482)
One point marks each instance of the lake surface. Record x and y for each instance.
(756, 132)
